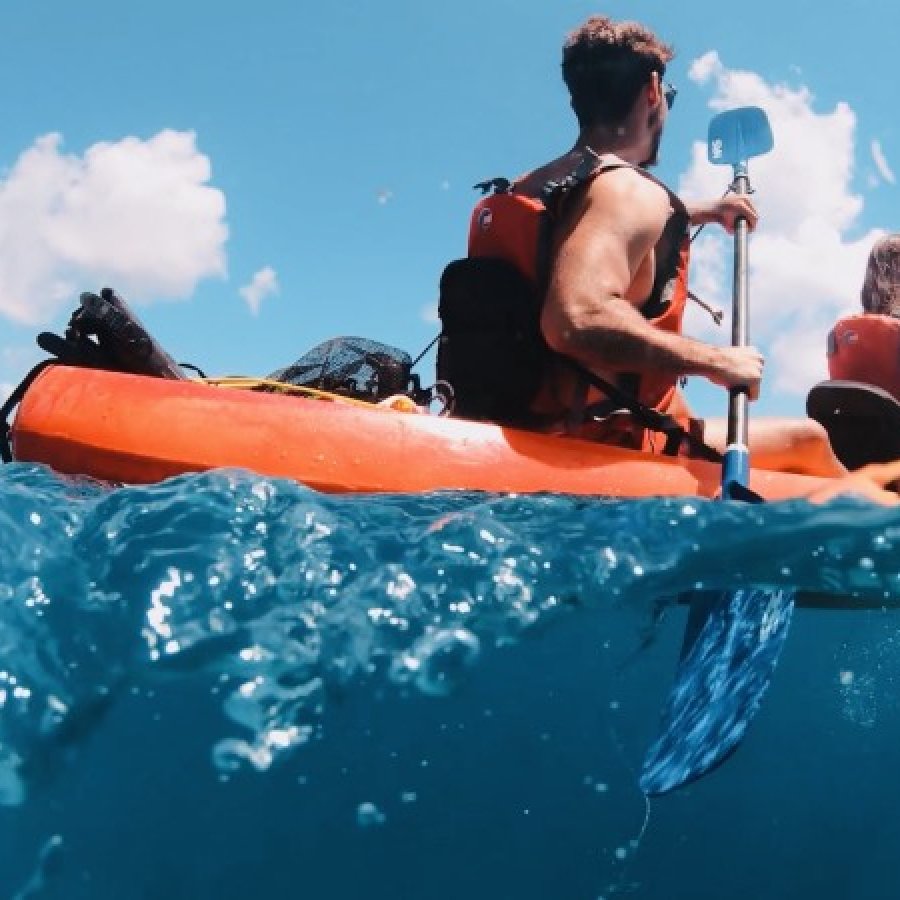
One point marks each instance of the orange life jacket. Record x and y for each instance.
(866, 348)
(517, 228)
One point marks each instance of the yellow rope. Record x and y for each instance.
(247, 383)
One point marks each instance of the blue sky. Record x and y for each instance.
(330, 150)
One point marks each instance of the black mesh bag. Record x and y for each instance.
(354, 367)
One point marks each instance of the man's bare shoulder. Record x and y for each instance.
(628, 192)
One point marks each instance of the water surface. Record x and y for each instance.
(230, 686)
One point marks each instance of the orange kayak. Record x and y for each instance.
(138, 429)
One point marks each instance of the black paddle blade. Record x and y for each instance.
(726, 666)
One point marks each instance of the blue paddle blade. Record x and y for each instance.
(736, 135)
(732, 645)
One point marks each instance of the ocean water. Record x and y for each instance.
(226, 686)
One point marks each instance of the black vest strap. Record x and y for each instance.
(676, 436)
(588, 167)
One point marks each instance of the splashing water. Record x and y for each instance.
(275, 615)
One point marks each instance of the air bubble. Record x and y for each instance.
(368, 815)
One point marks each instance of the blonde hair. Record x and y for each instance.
(881, 287)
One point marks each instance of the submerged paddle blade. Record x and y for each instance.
(725, 669)
(737, 135)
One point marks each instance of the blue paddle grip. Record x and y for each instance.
(736, 467)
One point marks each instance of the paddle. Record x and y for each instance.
(734, 638)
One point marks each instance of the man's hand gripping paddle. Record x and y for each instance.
(733, 639)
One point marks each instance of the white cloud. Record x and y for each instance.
(881, 163)
(136, 215)
(805, 270)
(705, 67)
(263, 284)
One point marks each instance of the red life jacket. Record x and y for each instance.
(866, 348)
(517, 229)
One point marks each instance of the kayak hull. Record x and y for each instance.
(137, 429)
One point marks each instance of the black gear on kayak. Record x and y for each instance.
(489, 349)
(358, 368)
(103, 333)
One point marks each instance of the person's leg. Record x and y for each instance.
(788, 445)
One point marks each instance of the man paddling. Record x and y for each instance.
(603, 246)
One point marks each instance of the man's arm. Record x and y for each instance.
(725, 212)
(603, 270)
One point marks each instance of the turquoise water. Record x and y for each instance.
(228, 686)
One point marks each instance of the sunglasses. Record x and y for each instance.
(670, 92)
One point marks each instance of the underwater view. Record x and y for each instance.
(230, 686)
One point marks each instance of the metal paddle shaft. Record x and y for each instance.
(733, 638)
(736, 468)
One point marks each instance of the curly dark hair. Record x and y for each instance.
(605, 64)
(881, 287)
